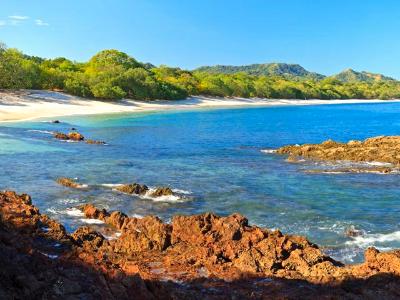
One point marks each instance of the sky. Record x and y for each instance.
(324, 36)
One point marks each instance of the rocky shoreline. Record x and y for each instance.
(381, 152)
(194, 257)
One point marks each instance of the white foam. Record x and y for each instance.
(268, 151)
(52, 211)
(51, 256)
(92, 221)
(378, 163)
(137, 216)
(184, 192)
(40, 131)
(371, 239)
(165, 198)
(82, 186)
(74, 212)
(111, 185)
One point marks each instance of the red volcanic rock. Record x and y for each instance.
(194, 257)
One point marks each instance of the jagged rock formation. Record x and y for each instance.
(383, 149)
(194, 257)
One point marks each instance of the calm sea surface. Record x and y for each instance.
(214, 159)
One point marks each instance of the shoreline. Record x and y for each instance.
(26, 105)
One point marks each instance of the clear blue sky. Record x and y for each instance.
(322, 35)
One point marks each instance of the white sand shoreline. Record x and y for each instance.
(29, 105)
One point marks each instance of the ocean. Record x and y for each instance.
(217, 160)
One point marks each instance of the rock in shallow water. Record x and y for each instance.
(68, 182)
(133, 188)
(381, 149)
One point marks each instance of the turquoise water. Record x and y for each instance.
(215, 155)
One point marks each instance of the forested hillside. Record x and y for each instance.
(112, 74)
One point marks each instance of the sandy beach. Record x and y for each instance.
(32, 104)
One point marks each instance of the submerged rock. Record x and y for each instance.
(68, 182)
(94, 142)
(134, 188)
(381, 152)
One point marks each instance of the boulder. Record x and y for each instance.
(68, 182)
(162, 191)
(134, 188)
(61, 136)
(75, 136)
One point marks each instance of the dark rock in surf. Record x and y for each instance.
(134, 188)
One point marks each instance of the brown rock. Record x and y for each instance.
(61, 136)
(94, 142)
(75, 136)
(133, 188)
(382, 149)
(162, 191)
(210, 257)
(68, 182)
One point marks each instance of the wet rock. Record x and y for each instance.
(162, 191)
(61, 136)
(134, 188)
(93, 212)
(56, 122)
(381, 149)
(94, 142)
(75, 136)
(353, 232)
(68, 182)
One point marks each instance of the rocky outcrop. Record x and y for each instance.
(142, 189)
(383, 149)
(195, 257)
(68, 182)
(75, 136)
(133, 188)
(162, 191)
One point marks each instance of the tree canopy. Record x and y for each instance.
(111, 74)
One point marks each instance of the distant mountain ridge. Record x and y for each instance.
(293, 71)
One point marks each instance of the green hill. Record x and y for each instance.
(278, 69)
(350, 75)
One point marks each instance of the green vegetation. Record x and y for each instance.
(112, 74)
(289, 71)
